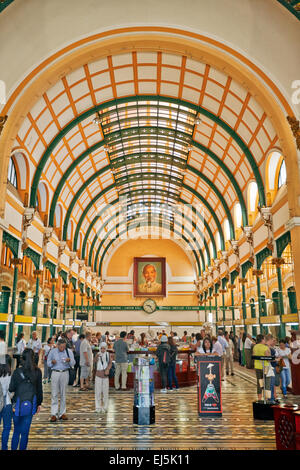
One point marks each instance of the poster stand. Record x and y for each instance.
(209, 385)
(262, 409)
(143, 408)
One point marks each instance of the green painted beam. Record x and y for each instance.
(114, 217)
(202, 199)
(143, 225)
(197, 109)
(98, 145)
(116, 201)
(188, 188)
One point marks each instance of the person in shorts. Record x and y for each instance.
(86, 362)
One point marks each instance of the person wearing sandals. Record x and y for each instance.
(60, 360)
(103, 365)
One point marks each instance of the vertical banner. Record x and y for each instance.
(209, 385)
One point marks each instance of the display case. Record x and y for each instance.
(143, 407)
(185, 368)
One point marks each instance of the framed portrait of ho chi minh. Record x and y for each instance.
(149, 277)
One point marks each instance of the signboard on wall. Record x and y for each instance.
(209, 386)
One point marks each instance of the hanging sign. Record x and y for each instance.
(209, 385)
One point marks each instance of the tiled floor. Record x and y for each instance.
(177, 423)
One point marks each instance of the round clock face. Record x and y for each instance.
(149, 306)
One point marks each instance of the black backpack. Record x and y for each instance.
(26, 390)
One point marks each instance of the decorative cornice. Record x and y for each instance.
(3, 224)
(292, 223)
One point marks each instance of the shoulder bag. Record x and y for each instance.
(104, 373)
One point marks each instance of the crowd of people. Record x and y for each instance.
(79, 360)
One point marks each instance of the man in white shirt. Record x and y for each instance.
(248, 351)
(60, 361)
(35, 344)
(224, 345)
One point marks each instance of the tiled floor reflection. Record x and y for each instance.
(177, 423)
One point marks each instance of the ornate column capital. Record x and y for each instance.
(73, 256)
(3, 120)
(295, 128)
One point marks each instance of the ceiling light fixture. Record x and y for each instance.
(198, 119)
(97, 119)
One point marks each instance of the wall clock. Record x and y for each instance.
(149, 306)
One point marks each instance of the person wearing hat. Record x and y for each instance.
(164, 359)
(103, 364)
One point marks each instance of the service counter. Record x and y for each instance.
(185, 369)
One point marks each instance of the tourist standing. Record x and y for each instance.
(261, 349)
(77, 360)
(21, 345)
(46, 349)
(35, 344)
(270, 342)
(60, 360)
(172, 365)
(26, 383)
(121, 359)
(86, 361)
(6, 413)
(229, 354)
(103, 365)
(224, 344)
(163, 354)
(248, 345)
(283, 353)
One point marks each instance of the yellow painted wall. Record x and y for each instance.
(177, 260)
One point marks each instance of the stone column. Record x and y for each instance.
(53, 281)
(294, 227)
(16, 262)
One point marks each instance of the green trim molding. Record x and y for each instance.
(160, 99)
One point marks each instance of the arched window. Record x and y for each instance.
(275, 174)
(57, 216)
(226, 230)
(218, 241)
(238, 215)
(12, 173)
(252, 195)
(252, 201)
(282, 175)
(211, 250)
(70, 230)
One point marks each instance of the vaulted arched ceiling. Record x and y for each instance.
(169, 131)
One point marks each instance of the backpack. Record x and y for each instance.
(1, 399)
(25, 397)
(166, 358)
